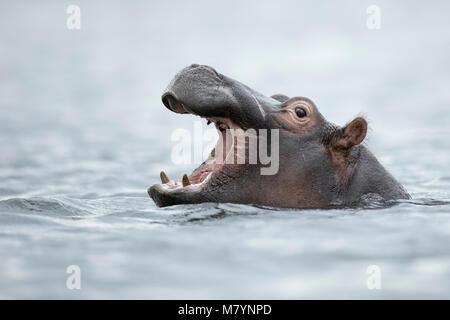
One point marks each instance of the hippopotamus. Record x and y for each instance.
(320, 164)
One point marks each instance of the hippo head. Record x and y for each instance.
(312, 163)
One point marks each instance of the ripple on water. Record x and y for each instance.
(137, 206)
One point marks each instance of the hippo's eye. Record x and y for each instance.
(301, 113)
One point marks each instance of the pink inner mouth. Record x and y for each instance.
(216, 159)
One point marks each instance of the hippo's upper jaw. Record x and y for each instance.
(318, 164)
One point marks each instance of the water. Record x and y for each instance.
(83, 134)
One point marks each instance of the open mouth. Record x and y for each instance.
(219, 156)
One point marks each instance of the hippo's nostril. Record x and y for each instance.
(202, 68)
(212, 70)
(173, 104)
(170, 101)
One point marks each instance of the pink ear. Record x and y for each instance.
(352, 134)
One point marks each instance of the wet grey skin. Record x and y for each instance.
(321, 165)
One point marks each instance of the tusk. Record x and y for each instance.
(185, 181)
(163, 177)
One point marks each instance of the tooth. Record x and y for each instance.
(186, 180)
(163, 177)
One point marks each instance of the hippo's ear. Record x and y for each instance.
(280, 97)
(351, 135)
